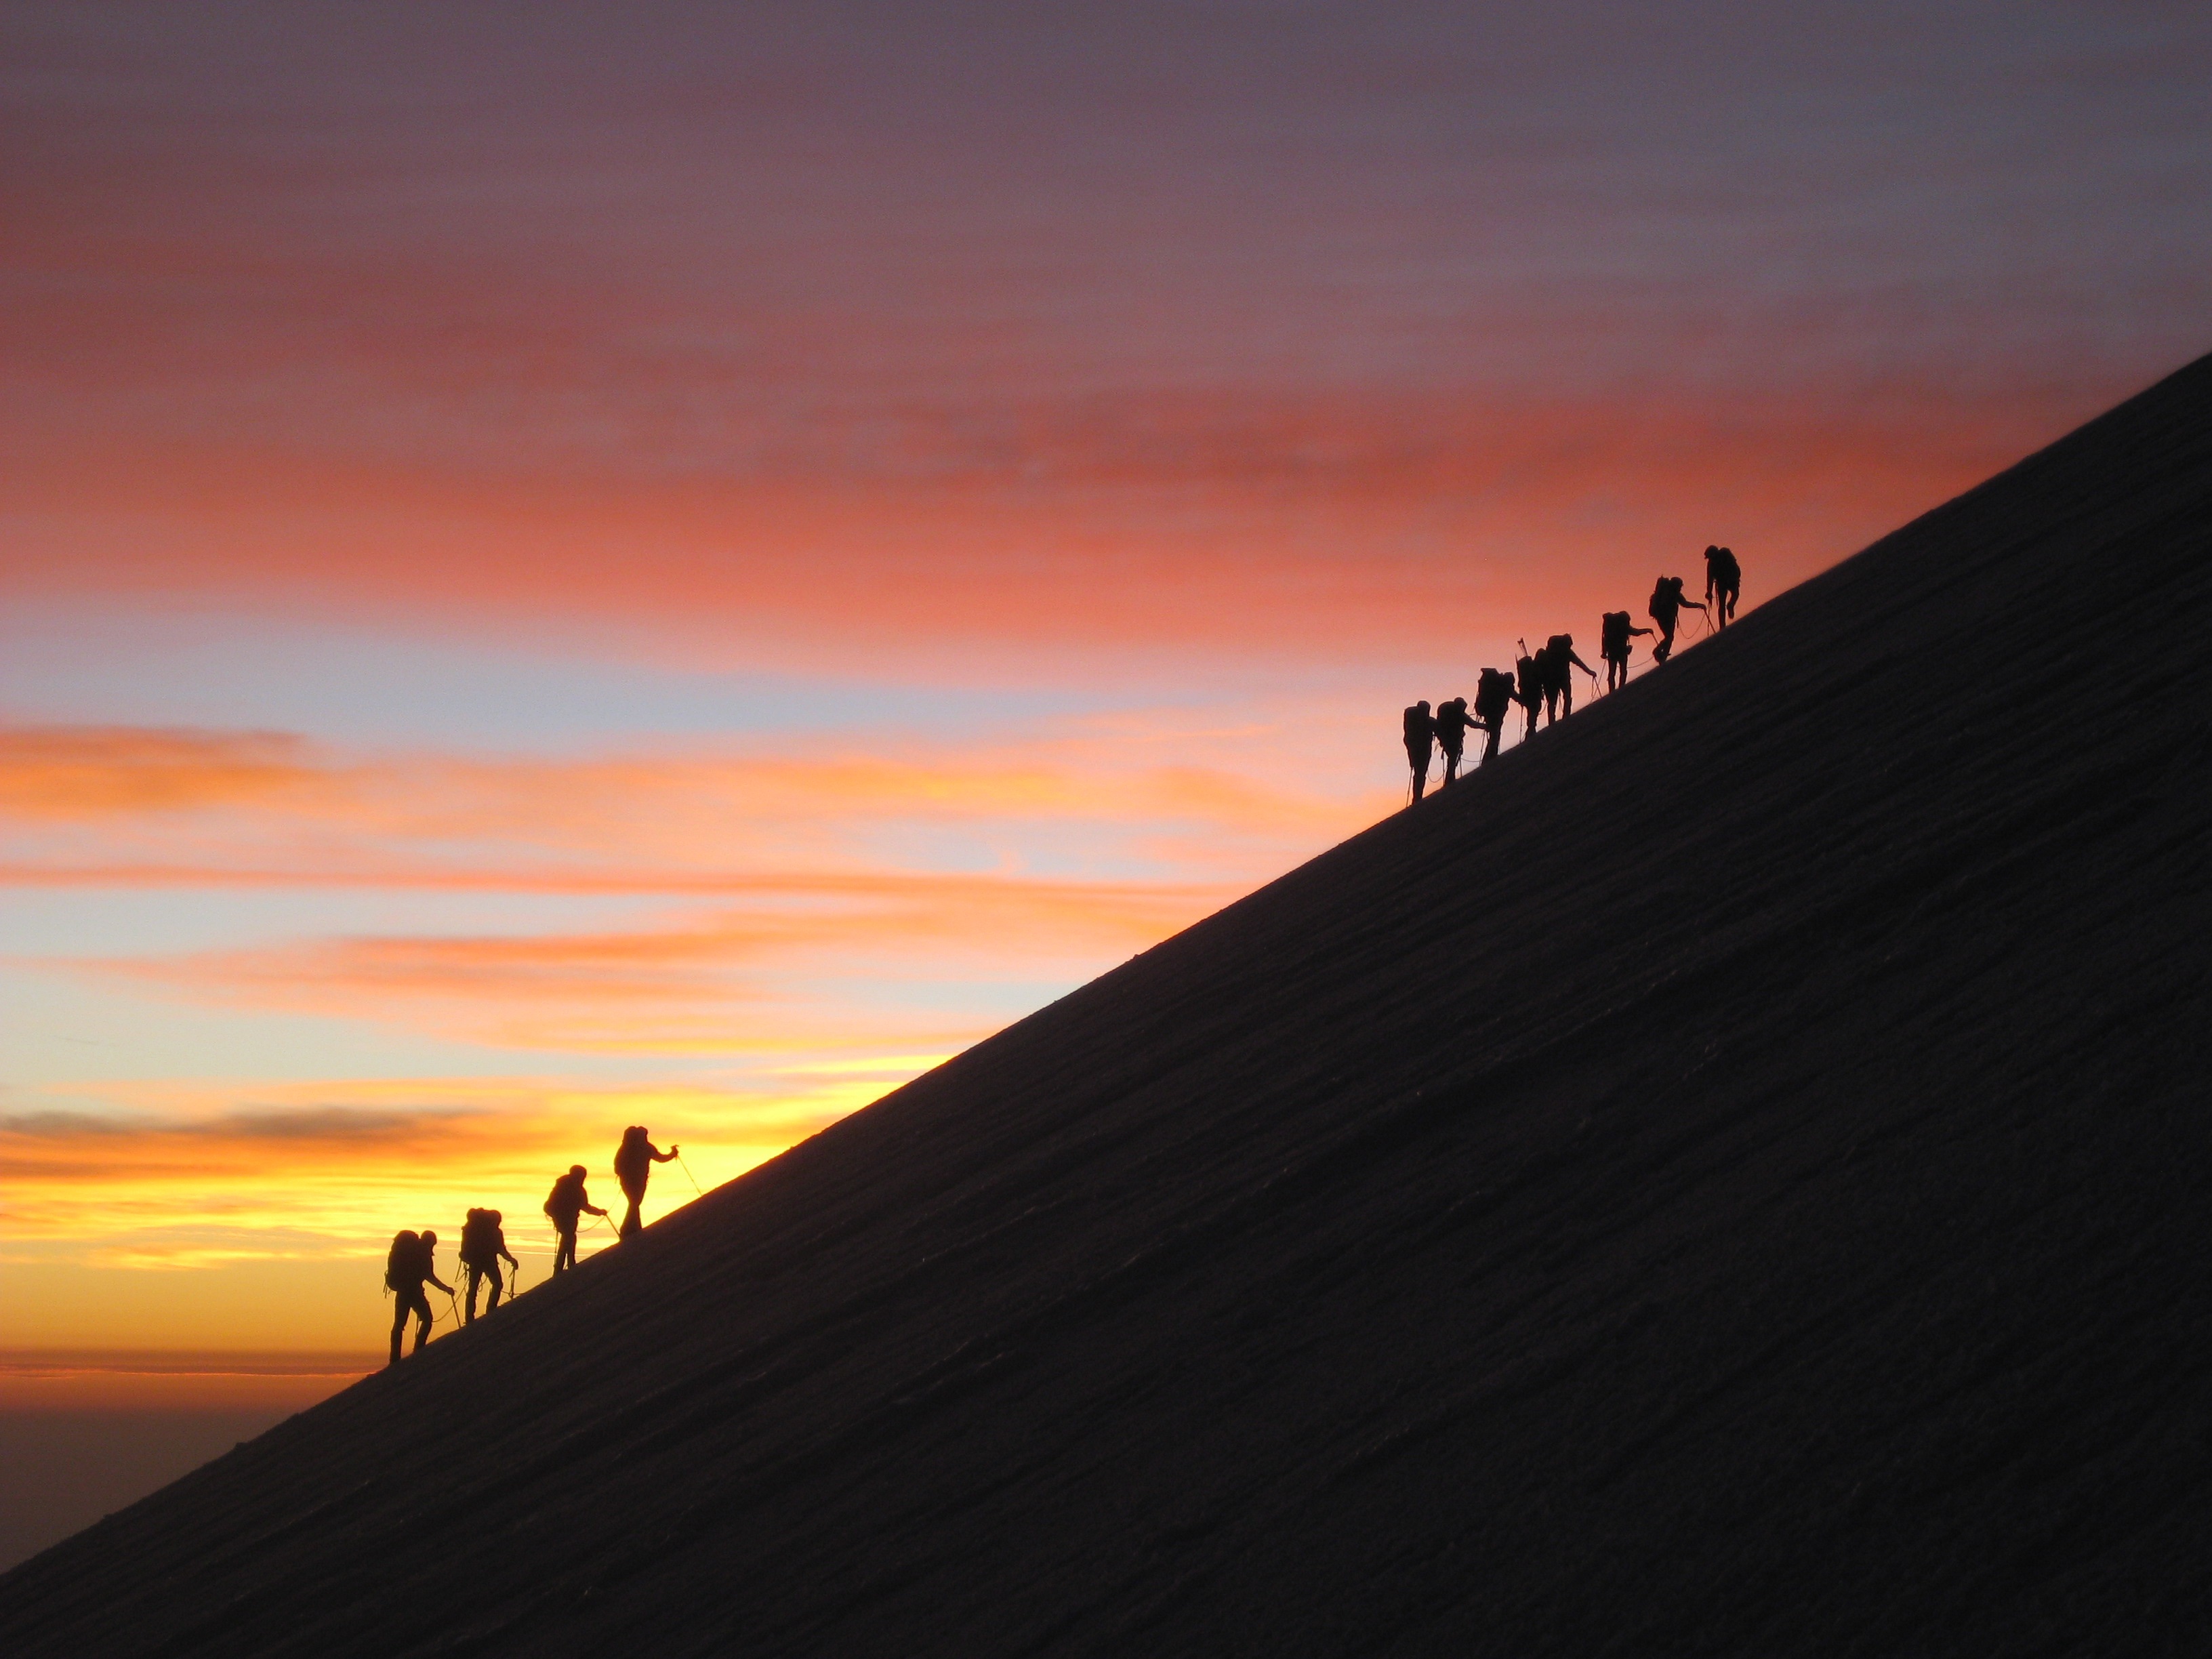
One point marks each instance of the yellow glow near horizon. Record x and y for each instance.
(222, 1231)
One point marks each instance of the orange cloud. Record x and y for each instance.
(788, 854)
(150, 805)
(67, 774)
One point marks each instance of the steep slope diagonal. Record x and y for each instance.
(1731, 1177)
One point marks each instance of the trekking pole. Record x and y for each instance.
(687, 1176)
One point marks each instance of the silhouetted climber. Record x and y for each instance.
(1559, 663)
(1528, 692)
(1420, 744)
(1666, 603)
(567, 1202)
(1493, 696)
(633, 1162)
(409, 1263)
(1614, 635)
(1724, 577)
(483, 1245)
(1451, 733)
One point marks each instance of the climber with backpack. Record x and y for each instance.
(1559, 663)
(1528, 673)
(1493, 696)
(569, 1202)
(483, 1245)
(411, 1261)
(1614, 635)
(633, 1162)
(1420, 744)
(1666, 603)
(1451, 734)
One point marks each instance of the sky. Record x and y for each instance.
(575, 566)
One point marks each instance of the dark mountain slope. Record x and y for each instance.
(1736, 1177)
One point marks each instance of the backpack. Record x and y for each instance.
(400, 1262)
(1557, 658)
(565, 1203)
(475, 1243)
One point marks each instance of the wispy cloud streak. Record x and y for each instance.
(133, 800)
(755, 869)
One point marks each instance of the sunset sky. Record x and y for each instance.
(570, 566)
